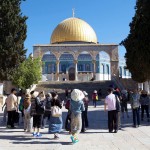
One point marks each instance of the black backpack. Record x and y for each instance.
(48, 104)
(39, 107)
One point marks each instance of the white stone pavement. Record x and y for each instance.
(95, 138)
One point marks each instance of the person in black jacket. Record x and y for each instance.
(36, 111)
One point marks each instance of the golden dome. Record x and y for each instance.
(73, 30)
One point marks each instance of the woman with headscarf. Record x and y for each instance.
(55, 124)
(76, 109)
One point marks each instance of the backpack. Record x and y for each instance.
(124, 97)
(95, 96)
(39, 107)
(135, 101)
(48, 104)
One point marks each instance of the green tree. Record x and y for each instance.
(28, 73)
(137, 43)
(12, 36)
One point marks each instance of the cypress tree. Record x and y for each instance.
(12, 36)
(137, 43)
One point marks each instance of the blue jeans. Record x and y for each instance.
(136, 116)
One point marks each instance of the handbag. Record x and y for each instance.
(56, 111)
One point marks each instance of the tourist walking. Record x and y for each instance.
(36, 111)
(47, 109)
(76, 108)
(144, 101)
(55, 124)
(85, 123)
(124, 103)
(12, 105)
(117, 92)
(68, 118)
(135, 104)
(94, 98)
(21, 108)
(41, 97)
(110, 102)
(28, 119)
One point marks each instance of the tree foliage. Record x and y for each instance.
(137, 43)
(28, 73)
(12, 36)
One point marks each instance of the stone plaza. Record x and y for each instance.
(96, 136)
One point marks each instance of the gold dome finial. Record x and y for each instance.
(73, 12)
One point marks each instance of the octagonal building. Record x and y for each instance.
(74, 53)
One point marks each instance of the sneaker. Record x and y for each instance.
(38, 135)
(72, 138)
(13, 127)
(34, 134)
(8, 127)
(75, 141)
(56, 137)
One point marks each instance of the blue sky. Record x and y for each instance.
(109, 18)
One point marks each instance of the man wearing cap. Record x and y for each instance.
(76, 108)
(11, 103)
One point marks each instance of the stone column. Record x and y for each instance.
(57, 72)
(76, 69)
(94, 68)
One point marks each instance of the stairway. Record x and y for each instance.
(60, 86)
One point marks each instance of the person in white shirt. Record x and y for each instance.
(11, 103)
(110, 102)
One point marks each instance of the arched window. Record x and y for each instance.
(87, 67)
(107, 69)
(80, 68)
(63, 68)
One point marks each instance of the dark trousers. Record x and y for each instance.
(84, 120)
(68, 121)
(112, 120)
(94, 103)
(36, 121)
(11, 118)
(136, 116)
(146, 108)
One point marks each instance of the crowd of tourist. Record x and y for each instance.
(37, 109)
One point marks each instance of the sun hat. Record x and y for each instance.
(77, 95)
(85, 93)
(95, 91)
